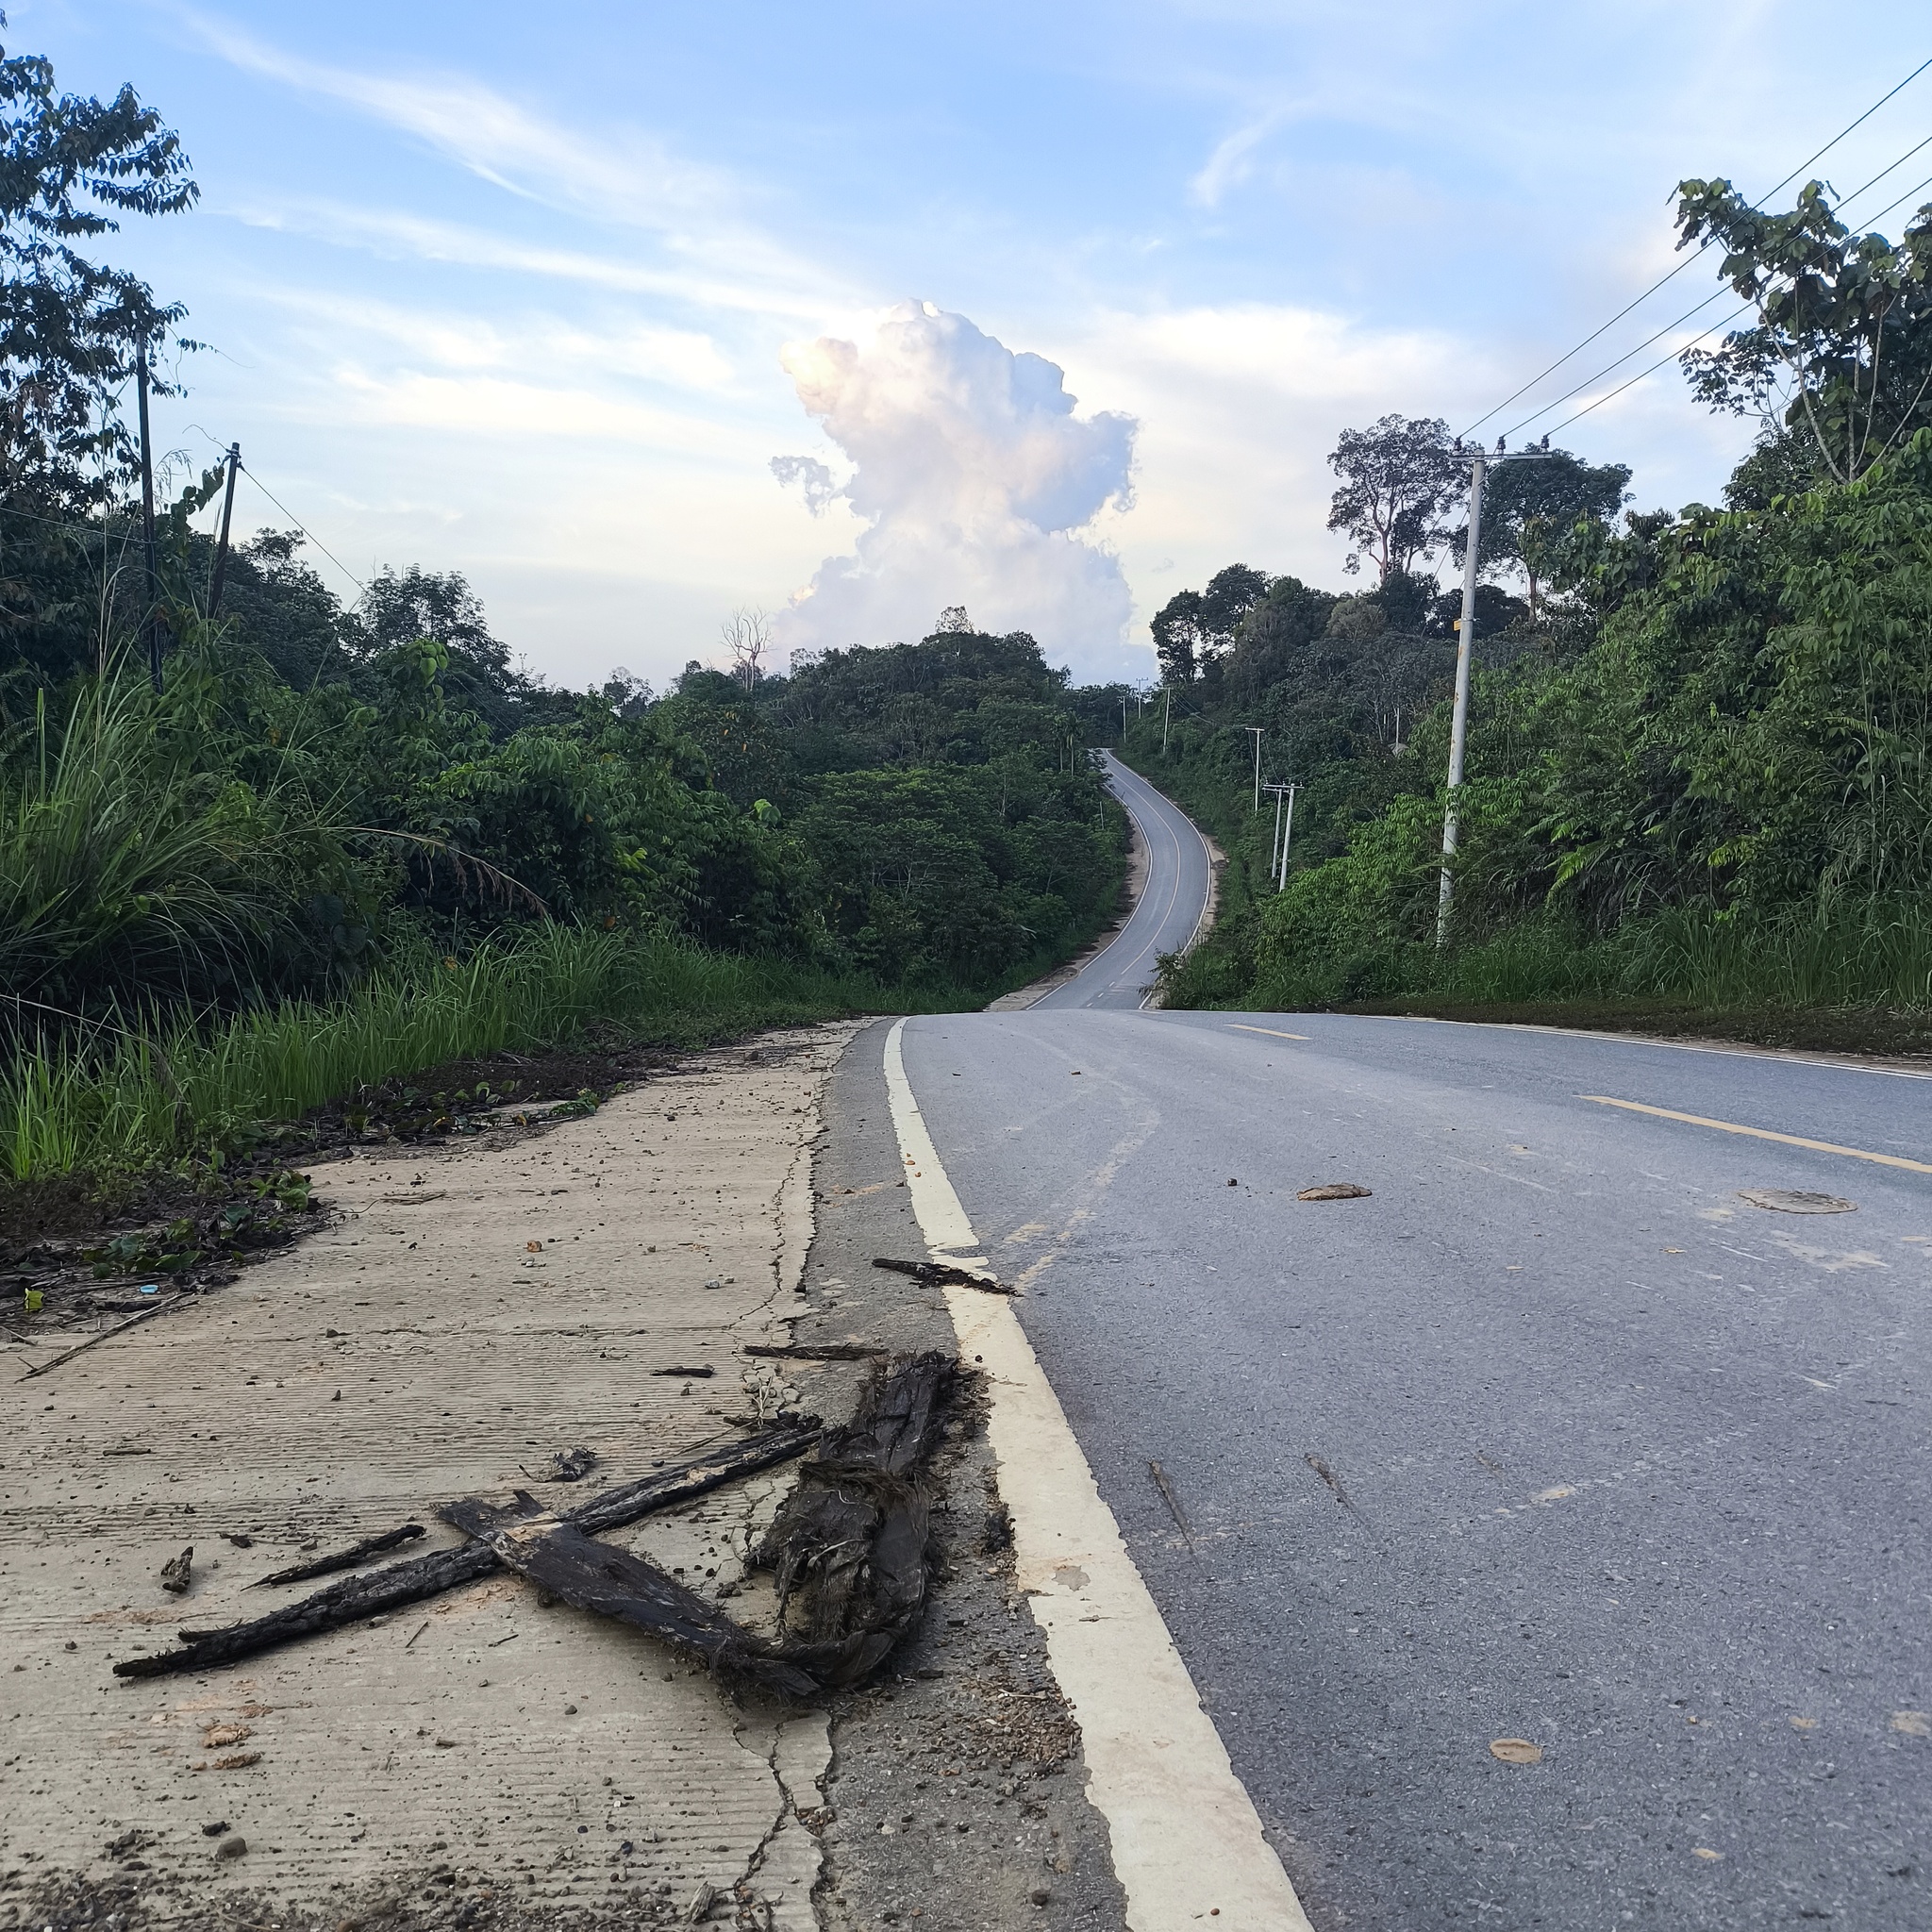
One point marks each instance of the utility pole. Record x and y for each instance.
(214, 594)
(1284, 831)
(1257, 729)
(1124, 717)
(1166, 710)
(147, 525)
(1458, 730)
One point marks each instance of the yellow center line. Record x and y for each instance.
(1270, 1032)
(1697, 1120)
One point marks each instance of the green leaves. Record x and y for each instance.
(1839, 351)
(70, 167)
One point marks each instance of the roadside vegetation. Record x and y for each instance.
(1699, 778)
(332, 844)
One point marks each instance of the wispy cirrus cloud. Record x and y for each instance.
(618, 179)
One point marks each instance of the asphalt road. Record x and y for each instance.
(1554, 1437)
(1166, 915)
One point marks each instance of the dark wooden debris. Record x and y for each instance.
(701, 1373)
(943, 1274)
(352, 1557)
(848, 1546)
(174, 1573)
(814, 1351)
(357, 1598)
(566, 1466)
(592, 1576)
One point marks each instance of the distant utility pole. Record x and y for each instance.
(1166, 709)
(1257, 729)
(147, 525)
(214, 594)
(1458, 729)
(1284, 831)
(1465, 644)
(1124, 717)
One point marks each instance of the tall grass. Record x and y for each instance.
(143, 1093)
(1814, 958)
(1829, 957)
(122, 863)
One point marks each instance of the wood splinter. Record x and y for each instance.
(943, 1274)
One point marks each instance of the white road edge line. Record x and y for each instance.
(1186, 1839)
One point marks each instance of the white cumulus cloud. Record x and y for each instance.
(974, 479)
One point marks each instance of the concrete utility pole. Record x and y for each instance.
(1458, 730)
(1278, 859)
(1257, 729)
(147, 525)
(214, 594)
(1166, 711)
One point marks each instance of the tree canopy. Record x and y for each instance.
(71, 167)
(1398, 477)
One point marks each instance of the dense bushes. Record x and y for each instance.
(1708, 777)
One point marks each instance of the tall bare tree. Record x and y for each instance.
(746, 636)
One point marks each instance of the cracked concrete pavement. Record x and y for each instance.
(466, 1313)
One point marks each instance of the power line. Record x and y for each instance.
(1675, 354)
(1900, 201)
(1673, 274)
(1716, 295)
(304, 529)
(1883, 171)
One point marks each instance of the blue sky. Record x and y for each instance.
(538, 293)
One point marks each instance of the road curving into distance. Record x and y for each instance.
(1166, 916)
(1558, 1446)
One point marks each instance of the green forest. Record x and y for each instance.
(259, 847)
(1699, 775)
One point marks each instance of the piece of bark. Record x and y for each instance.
(814, 1351)
(943, 1274)
(699, 1373)
(357, 1598)
(848, 1547)
(174, 1573)
(342, 1559)
(592, 1576)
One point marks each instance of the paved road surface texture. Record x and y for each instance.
(1166, 916)
(1557, 1436)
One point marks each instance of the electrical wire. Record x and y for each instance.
(303, 527)
(1883, 171)
(1673, 274)
(1677, 354)
(1716, 295)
